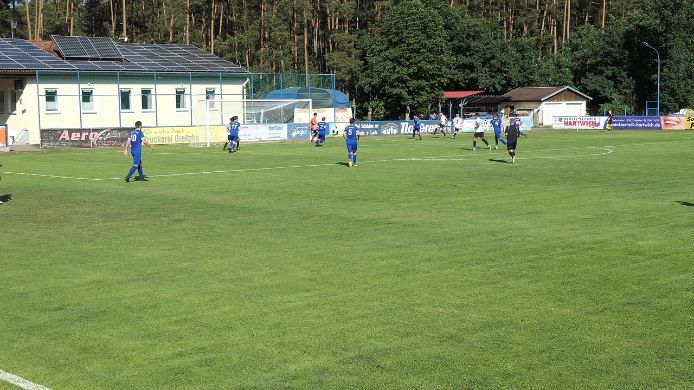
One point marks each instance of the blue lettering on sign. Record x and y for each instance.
(298, 130)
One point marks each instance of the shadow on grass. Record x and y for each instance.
(499, 161)
(342, 163)
(5, 198)
(684, 203)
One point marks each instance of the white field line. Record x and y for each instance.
(606, 151)
(21, 382)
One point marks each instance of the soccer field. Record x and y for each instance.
(426, 266)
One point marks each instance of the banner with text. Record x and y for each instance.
(579, 122)
(84, 138)
(689, 124)
(276, 132)
(636, 123)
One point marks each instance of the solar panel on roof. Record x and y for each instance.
(22, 55)
(99, 48)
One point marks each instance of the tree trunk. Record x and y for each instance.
(125, 20)
(306, 46)
(213, 12)
(27, 5)
(113, 17)
(186, 30)
(604, 9)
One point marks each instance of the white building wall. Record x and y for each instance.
(549, 110)
(25, 115)
(107, 110)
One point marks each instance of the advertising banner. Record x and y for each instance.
(84, 138)
(579, 122)
(672, 122)
(3, 136)
(298, 131)
(184, 135)
(636, 123)
(689, 124)
(275, 132)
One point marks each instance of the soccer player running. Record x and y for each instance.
(322, 128)
(233, 134)
(416, 127)
(314, 126)
(442, 124)
(457, 124)
(512, 133)
(135, 141)
(496, 125)
(351, 136)
(609, 121)
(479, 133)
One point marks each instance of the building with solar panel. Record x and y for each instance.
(96, 83)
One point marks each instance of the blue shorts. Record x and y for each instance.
(321, 137)
(137, 158)
(233, 138)
(351, 147)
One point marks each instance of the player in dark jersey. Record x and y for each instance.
(322, 129)
(233, 133)
(416, 127)
(351, 136)
(512, 133)
(135, 141)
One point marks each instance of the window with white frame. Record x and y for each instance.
(210, 95)
(147, 100)
(180, 98)
(51, 100)
(88, 100)
(125, 100)
(13, 102)
(2, 101)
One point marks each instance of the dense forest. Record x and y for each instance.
(395, 56)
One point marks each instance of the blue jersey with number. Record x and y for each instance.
(496, 124)
(136, 137)
(322, 127)
(233, 129)
(351, 134)
(416, 123)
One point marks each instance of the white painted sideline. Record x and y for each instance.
(605, 151)
(21, 382)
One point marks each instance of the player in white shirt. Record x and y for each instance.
(443, 121)
(479, 133)
(457, 124)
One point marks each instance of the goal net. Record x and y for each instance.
(212, 116)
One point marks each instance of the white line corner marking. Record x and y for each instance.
(21, 382)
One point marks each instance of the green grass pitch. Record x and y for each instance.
(426, 266)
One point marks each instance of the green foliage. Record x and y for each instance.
(407, 63)
(392, 56)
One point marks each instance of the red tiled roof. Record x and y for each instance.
(459, 94)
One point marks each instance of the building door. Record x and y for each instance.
(574, 109)
(549, 111)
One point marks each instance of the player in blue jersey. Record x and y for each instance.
(233, 133)
(416, 127)
(496, 125)
(322, 129)
(351, 136)
(135, 141)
